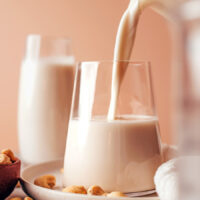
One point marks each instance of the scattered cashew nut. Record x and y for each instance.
(18, 198)
(28, 198)
(9, 153)
(4, 159)
(95, 190)
(116, 194)
(75, 189)
(92, 190)
(46, 181)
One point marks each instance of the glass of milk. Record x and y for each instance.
(45, 91)
(119, 154)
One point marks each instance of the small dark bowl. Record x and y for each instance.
(9, 175)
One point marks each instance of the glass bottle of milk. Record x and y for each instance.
(45, 91)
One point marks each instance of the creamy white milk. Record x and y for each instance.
(44, 105)
(118, 155)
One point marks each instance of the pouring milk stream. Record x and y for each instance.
(125, 40)
(123, 47)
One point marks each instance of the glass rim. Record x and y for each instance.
(50, 37)
(37, 45)
(140, 62)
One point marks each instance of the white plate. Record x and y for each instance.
(38, 193)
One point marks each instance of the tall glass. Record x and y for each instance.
(46, 84)
(121, 154)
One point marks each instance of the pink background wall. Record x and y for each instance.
(92, 25)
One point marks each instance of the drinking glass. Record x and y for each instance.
(120, 154)
(45, 92)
